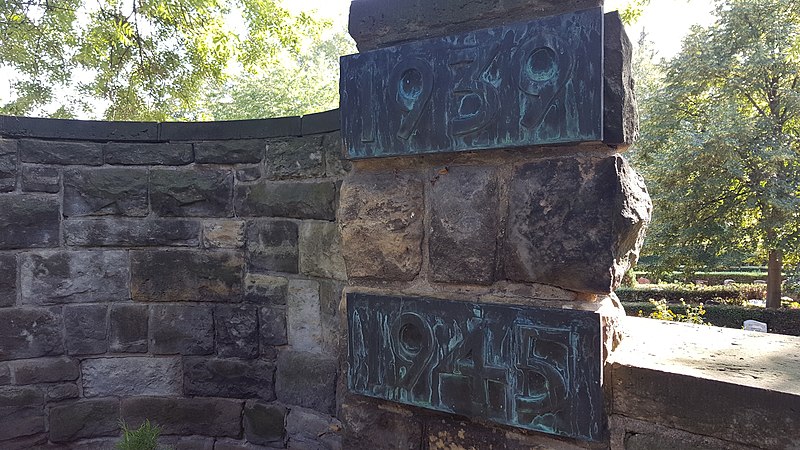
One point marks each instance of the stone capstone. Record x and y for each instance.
(58, 277)
(186, 416)
(31, 333)
(106, 191)
(128, 328)
(8, 165)
(184, 330)
(186, 276)
(236, 331)
(311, 200)
(84, 419)
(264, 423)
(231, 378)
(191, 192)
(272, 245)
(85, 329)
(29, 221)
(131, 376)
(307, 380)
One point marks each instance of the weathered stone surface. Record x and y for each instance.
(84, 419)
(184, 330)
(247, 174)
(631, 434)
(5, 374)
(30, 333)
(306, 379)
(41, 179)
(263, 422)
(295, 158)
(335, 163)
(223, 234)
(368, 426)
(303, 318)
(55, 152)
(236, 331)
(231, 378)
(310, 429)
(8, 165)
(333, 320)
(107, 191)
(449, 433)
(126, 377)
(120, 232)
(464, 224)
(265, 289)
(45, 370)
(56, 277)
(85, 329)
(128, 328)
(272, 245)
(187, 443)
(186, 416)
(321, 250)
(272, 326)
(29, 221)
(235, 444)
(178, 275)
(61, 391)
(21, 412)
(230, 152)
(313, 200)
(620, 115)
(381, 222)
(8, 280)
(575, 223)
(192, 192)
(140, 153)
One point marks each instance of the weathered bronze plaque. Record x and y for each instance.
(526, 367)
(519, 85)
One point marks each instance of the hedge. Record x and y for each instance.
(714, 277)
(673, 293)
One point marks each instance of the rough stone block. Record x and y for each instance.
(21, 412)
(235, 444)
(321, 250)
(230, 152)
(303, 319)
(85, 329)
(128, 328)
(126, 377)
(264, 423)
(620, 115)
(192, 192)
(140, 153)
(120, 232)
(8, 165)
(306, 379)
(57, 277)
(55, 152)
(333, 328)
(272, 325)
(179, 275)
(107, 191)
(29, 221)
(575, 223)
(248, 174)
(335, 163)
(187, 443)
(313, 200)
(186, 416)
(265, 289)
(232, 378)
(236, 331)
(84, 419)
(381, 221)
(295, 158)
(45, 370)
(41, 179)
(223, 234)
(272, 245)
(465, 214)
(5, 374)
(310, 429)
(8, 280)
(27, 442)
(368, 426)
(184, 330)
(30, 333)
(61, 391)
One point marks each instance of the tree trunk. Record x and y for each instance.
(774, 278)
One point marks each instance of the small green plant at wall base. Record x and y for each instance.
(143, 438)
(694, 313)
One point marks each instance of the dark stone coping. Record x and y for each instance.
(92, 130)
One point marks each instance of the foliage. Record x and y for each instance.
(675, 293)
(782, 321)
(143, 438)
(711, 278)
(693, 313)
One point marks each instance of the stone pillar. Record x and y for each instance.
(550, 227)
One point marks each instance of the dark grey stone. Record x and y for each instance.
(80, 129)
(184, 330)
(264, 423)
(308, 429)
(306, 379)
(272, 246)
(313, 200)
(620, 115)
(61, 391)
(186, 416)
(84, 419)
(5, 374)
(55, 152)
(187, 443)
(30, 333)
(29, 221)
(182, 275)
(465, 203)
(236, 331)
(232, 378)
(8, 280)
(105, 191)
(8, 165)
(231, 130)
(41, 179)
(332, 319)
(192, 192)
(122, 232)
(85, 329)
(134, 376)
(575, 223)
(45, 370)
(128, 328)
(321, 122)
(321, 250)
(57, 277)
(272, 323)
(265, 289)
(295, 158)
(139, 153)
(335, 163)
(247, 174)
(230, 152)
(21, 412)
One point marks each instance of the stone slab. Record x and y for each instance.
(371, 426)
(131, 376)
(181, 275)
(58, 277)
(620, 109)
(223, 233)
(29, 221)
(230, 152)
(265, 289)
(31, 333)
(310, 429)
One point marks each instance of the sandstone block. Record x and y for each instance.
(230, 152)
(303, 318)
(223, 234)
(272, 327)
(179, 275)
(107, 191)
(192, 192)
(121, 232)
(21, 412)
(313, 200)
(41, 179)
(84, 419)
(128, 328)
(265, 289)
(126, 377)
(381, 222)
(85, 329)
(310, 429)
(232, 378)
(335, 163)
(44, 370)
(575, 223)
(29, 221)
(620, 110)
(30, 333)
(140, 153)
(236, 331)
(272, 245)
(295, 158)
(8, 280)
(321, 250)
(8, 165)
(184, 330)
(264, 423)
(55, 152)
(57, 277)
(306, 379)
(186, 416)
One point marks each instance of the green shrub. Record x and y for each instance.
(143, 438)
(691, 293)
(710, 277)
(694, 313)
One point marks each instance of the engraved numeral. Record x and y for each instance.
(413, 79)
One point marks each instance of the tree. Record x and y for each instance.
(720, 146)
